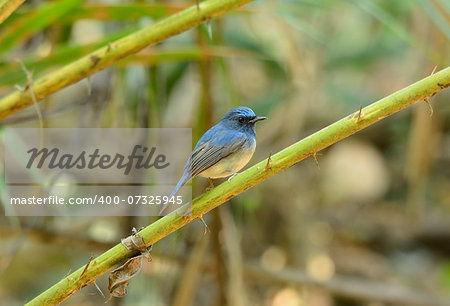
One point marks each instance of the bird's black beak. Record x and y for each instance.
(257, 118)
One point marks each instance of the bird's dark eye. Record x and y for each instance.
(241, 119)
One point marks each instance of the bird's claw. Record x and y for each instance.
(233, 174)
(211, 185)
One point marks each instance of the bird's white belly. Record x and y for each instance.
(232, 163)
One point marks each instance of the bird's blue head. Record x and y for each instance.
(241, 118)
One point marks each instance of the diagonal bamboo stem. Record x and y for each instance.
(7, 7)
(115, 51)
(284, 159)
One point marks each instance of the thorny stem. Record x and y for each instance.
(284, 159)
(115, 51)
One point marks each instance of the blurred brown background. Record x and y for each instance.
(370, 225)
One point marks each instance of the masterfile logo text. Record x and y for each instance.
(95, 171)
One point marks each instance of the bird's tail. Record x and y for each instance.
(180, 184)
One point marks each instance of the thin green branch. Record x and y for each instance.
(115, 51)
(7, 7)
(284, 159)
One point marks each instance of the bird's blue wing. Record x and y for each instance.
(214, 145)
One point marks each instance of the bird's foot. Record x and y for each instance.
(233, 174)
(211, 185)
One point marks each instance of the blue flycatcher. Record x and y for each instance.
(223, 150)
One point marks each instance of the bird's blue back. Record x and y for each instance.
(221, 135)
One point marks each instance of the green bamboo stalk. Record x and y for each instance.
(115, 51)
(284, 159)
(7, 7)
